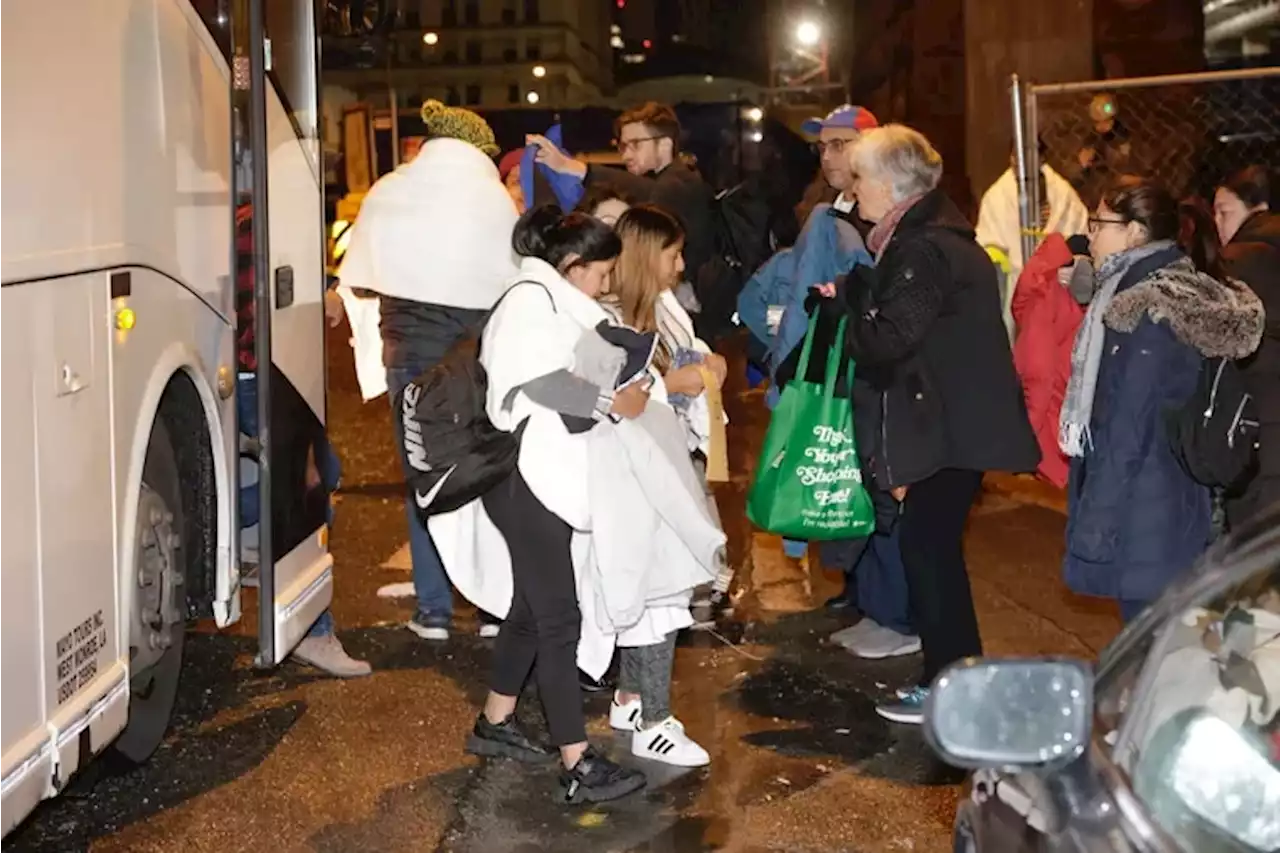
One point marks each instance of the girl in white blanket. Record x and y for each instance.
(640, 297)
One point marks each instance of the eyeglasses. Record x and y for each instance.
(835, 146)
(1096, 223)
(625, 145)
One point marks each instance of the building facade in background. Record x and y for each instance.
(681, 38)
(944, 66)
(484, 54)
(1241, 31)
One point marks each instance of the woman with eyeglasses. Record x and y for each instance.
(1135, 519)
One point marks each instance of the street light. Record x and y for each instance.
(539, 71)
(532, 97)
(430, 39)
(808, 33)
(755, 114)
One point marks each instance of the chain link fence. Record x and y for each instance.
(1188, 131)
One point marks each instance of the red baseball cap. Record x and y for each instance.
(509, 161)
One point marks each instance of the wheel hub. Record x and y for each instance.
(157, 594)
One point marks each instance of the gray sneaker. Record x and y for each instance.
(849, 637)
(327, 655)
(883, 643)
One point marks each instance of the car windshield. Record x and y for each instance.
(1188, 699)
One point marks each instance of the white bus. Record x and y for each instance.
(128, 143)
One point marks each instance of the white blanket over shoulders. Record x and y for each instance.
(1000, 224)
(653, 537)
(438, 231)
(642, 538)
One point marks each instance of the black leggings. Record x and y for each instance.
(544, 623)
(932, 543)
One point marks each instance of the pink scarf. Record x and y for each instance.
(883, 230)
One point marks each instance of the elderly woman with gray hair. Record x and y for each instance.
(936, 399)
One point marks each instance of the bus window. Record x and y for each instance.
(216, 15)
(291, 28)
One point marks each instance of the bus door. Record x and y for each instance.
(284, 395)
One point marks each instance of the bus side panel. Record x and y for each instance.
(22, 716)
(194, 193)
(303, 566)
(70, 351)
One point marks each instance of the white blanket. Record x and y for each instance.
(653, 537)
(999, 222)
(622, 564)
(437, 230)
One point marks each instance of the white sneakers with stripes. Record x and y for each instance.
(624, 717)
(665, 742)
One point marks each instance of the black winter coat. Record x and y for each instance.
(934, 368)
(1253, 256)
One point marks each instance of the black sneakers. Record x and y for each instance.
(507, 740)
(596, 779)
(590, 685)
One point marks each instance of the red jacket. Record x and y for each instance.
(1047, 317)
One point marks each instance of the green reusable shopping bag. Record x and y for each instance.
(808, 481)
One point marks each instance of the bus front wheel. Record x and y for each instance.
(157, 625)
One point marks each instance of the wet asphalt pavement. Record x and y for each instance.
(292, 761)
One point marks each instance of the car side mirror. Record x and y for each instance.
(1023, 714)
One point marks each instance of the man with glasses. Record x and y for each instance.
(830, 245)
(648, 138)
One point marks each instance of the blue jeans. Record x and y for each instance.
(873, 566)
(249, 500)
(429, 579)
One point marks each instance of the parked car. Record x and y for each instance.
(1171, 743)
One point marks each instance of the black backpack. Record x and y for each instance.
(742, 230)
(454, 450)
(1214, 434)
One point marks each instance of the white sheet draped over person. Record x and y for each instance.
(436, 231)
(1000, 226)
(429, 256)
(626, 553)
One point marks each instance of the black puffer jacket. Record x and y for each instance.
(1253, 256)
(932, 353)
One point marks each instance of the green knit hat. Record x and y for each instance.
(457, 123)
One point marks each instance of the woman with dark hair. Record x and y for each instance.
(1135, 519)
(1250, 234)
(527, 350)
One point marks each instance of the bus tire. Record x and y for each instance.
(158, 610)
